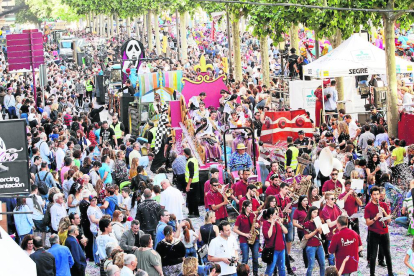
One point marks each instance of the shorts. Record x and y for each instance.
(40, 226)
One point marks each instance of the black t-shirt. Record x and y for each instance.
(33, 169)
(292, 59)
(107, 135)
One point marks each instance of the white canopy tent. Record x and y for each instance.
(354, 57)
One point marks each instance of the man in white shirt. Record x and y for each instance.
(134, 153)
(60, 155)
(223, 249)
(130, 263)
(43, 147)
(354, 131)
(332, 97)
(57, 212)
(172, 199)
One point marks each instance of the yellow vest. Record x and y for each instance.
(196, 171)
(89, 86)
(117, 130)
(295, 154)
(154, 135)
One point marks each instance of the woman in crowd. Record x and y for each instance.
(74, 198)
(67, 184)
(27, 244)
(189, 239)
(110, 200)
(172, 252)
(148, 259)
(135, 200)
(133, 170)
(343, 137)
(120, 171)
(270, 202)
(63, 229)
(273, 231)
(313, 195)
(298, 220)
(94, 214)
(208, 231)
(373, 167)
(23, 222)
(86, 165)
(314, 248)
(117, 228)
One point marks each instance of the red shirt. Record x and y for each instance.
(300, 216)
(240, 189)
(245, 224)
(331, 213)
(310, 226)
(216, 199)
(272, 190)
(346, 243)
(255, 203)
(330, 185)
(276, 239)
(281, 203)
(269, 175)
(206, 190)
(350, 206)
(371, 210)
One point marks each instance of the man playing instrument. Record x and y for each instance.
(284, 204)
(240, 188)
(378, 230)
(274, 187)
(330, 214)
(216, 201)
(274, 169)
(251, 195)
(332, 184)
(351, 203)
(245, 223)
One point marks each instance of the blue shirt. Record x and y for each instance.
(105, 168)
(113, 201)
(23, 222)
(63, 258)
(160, 233)
(179, 164)
(380, 138)
(240, 161)
(50, 181)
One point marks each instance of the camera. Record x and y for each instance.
(232, 261)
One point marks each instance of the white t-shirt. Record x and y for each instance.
(172, 199)
(37, 215)
(352, 129)
(126, 202)
(222, 248)
(97, 213)
(192, 239)
(101, 242)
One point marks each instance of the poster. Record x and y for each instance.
(14, 160)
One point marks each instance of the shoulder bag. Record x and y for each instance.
(202, 251)
(267, 253)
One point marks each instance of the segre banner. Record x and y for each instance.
(14, 159)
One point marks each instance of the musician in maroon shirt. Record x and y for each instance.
(214, 174)
(240, 188)
(345, 242)
(298, 220)
(274, 187)
(216, 201)
(378, 231)
(251, 196)
(351, 203)
(333, 183)
(330, 214)
(274, 169)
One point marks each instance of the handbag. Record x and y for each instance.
(267, 253)
(202, 251)
(303, 243)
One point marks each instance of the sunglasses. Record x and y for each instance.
(215, 185)
(289, 172)
(334, 174)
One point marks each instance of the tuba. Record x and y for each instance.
(326, 161)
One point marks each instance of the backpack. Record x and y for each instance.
(42, 186)
(47, 219)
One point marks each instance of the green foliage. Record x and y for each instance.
(25, 15)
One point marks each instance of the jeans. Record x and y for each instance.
(383, 241)
(95, 249)
(279, 260)
(402, 221)
(290, 235)
(291, 222)
(331, 257)
(255, 254)
(301, 235)
(190, 252)
(312, 252)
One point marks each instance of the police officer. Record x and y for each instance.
(89, 88)
(303, 143)
(152, 134)
(291, 155)
(119, 130)
(192, 179)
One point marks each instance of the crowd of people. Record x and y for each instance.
(123, 203)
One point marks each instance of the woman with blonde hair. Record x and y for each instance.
(190, 267)
(343, 136)
(63, 229)
(133, 170)
(117, 228)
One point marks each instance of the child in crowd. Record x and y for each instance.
(409, 260)
(383, 164)
(157, 192)
(173, 222)
(126, 200)
(333, 271)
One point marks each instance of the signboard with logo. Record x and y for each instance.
(14, 159)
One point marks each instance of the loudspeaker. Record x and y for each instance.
(125, 100)
(203, 177)
(79, 57)
(100, 89)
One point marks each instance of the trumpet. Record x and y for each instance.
(226, 194)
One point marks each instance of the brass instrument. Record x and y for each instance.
(337, 192)
(302, 163)
(299, 189)
(253, 231)
(379, 211)
(226, 194)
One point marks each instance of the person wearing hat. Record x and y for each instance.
(192, 178)
(291, 155)
(304, 143)
(240, 159)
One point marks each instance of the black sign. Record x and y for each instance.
(14, 160)
(358, 71)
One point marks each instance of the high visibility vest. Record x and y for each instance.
(89, 86)
(295, 154)
(154, 135)
(117, 130)
(196, 176)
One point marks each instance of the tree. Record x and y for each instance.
(25, 15)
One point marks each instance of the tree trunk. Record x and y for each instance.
(392, 99)
(149, 25)
(144, 28)
(294, 38)
(157, 33)
(236, 47)
(95, 23)
(116, 25)
(128, 26)
(316, 44)
(136, 27)
(111, 25)
(264, 56)
(183, 37)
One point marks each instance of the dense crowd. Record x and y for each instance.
(101, 195)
